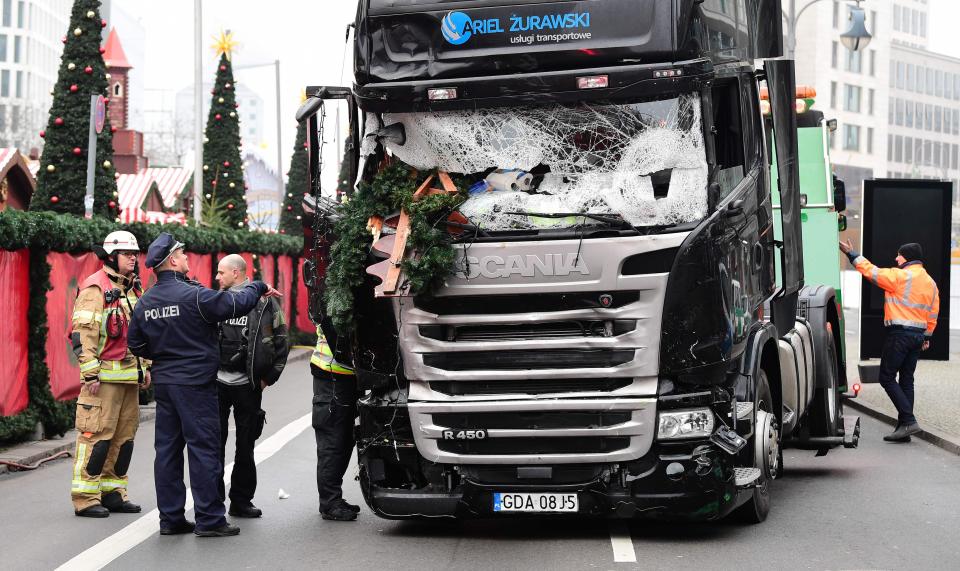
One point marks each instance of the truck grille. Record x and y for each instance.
(561, 431)
(522, 360)
(528, 331)
(523, 386)
(581, 445)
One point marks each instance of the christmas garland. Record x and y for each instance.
(391, 190)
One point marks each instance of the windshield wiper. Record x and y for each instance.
(609, 219)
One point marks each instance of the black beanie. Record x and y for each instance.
(912, 252)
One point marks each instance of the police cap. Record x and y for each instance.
(161, 248)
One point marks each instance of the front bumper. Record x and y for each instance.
(703, 490)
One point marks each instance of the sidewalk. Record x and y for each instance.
(28, 453)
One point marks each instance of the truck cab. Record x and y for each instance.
(613, 337)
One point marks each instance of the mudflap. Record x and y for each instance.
(851, 431)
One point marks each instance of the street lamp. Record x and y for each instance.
(855, 39)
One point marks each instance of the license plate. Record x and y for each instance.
(525, 502)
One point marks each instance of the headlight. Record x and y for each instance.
(689, 423)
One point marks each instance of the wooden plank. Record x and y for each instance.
(399, 251)
(422, 191)
(375, 226)
(447, 182)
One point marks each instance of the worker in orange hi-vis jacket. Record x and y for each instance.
(910, 308)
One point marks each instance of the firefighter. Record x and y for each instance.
(910, 307)
(108, 411)
(176, 326)
(334, 408)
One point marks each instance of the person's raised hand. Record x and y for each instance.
(272, 292)
(846, 247)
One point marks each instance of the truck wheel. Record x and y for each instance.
(827, 414)
(766, 455)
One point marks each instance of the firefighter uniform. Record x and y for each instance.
(334, 410)
(106, 422)
(910, 310)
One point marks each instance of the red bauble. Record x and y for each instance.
(63, 39)
(230, 206)
(289, 209)
(54, 199)
(213, 183)
(112, 204)
(236, 106)
(283, 231)
(103, 23)
(113, 129)
(217, 117)
(43, 134)
(88, 70)
(77, 151)
(213, 92)
(74, 88)
(226, 164)
(103, 50)
(58, 121)
(223, 68)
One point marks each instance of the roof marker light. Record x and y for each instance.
(667, 73)
(442, 93)
(593, 82)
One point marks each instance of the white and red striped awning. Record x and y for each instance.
(134, 188)
(6, 155)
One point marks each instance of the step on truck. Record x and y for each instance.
(627, 331)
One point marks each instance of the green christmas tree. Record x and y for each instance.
(297, 184)
(223, 173)
(63, 168)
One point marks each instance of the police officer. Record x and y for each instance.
(334, 408)
(108, 411)
(910, 307)
(253, 353)
(175, 325)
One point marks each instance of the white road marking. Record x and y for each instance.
(147, 526)
(622, 543)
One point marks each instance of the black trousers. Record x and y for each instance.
(248, 417)
(334, 408)
(901, 351)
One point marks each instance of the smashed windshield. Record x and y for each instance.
(643, 161)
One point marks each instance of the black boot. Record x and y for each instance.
(248, 510)
(95, 510)
(352, 507)
(115, 503)
(179, 529)
(338, 512)
(225, 530)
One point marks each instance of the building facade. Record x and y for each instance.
(30, 49)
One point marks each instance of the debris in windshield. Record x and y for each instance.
(645, 161)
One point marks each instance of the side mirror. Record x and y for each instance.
(839, 194)
(309, 109)
(713, 196)
(842, 223)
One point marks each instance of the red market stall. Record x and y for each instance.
(15, 283)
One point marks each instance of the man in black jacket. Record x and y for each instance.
(253, 352)
(175, 325)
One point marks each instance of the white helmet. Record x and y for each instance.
(120, 241)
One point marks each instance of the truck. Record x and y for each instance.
(626, 331)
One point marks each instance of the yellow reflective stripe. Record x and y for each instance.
(84, 487)
(331, 365)
(110, 485)
(89, 366)
(78, 464)
(114, 371)
(87, 315)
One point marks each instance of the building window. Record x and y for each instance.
(851, 99)
(21, 14)
(953, 160)
(889, 148)
(19, 87)
(915, 21)
(956, 121)
(870, 94)
(896, 18)
(908, 150)
(898, 119)
(936, 154)
(939, 84)
(947, 116)
(910, 80)
(3, 47)
(5, 83)
(890, 107)
(833, 95)
(938, 119)
(851, 138)
(7, 12)
(923, 25)
(927, 152)
(836, 14)
(117, 89)
(16, 49)
(930, 81)
(854, 61)
(873, 63)
(920, 78)
(901, 74)
(870, 140)
(834, 50)
(893, 73)
(898, 149)
(908, 115)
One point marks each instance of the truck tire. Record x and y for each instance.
(826, 416)
(767, 454)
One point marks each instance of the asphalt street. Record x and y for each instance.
(882, 506)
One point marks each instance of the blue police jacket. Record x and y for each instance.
(175, 325)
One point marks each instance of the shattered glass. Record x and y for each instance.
(644, 161)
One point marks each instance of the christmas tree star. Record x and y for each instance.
(224, 44)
